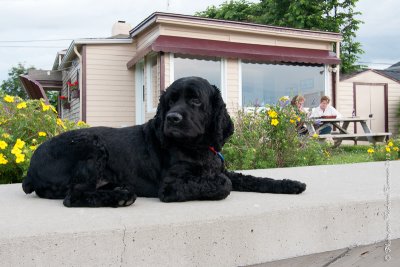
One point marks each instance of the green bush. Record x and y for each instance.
(388, 151)
(268, 137)
(24, 125)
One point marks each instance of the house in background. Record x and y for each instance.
(372, 93)
(121, 78)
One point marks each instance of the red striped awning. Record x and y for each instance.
(267, 53)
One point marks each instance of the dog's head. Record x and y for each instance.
(192, 111)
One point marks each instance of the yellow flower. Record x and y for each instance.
(16, 151)
(387, 149)
(60, 122)
(9, 99)
(21, 105)
(292, 121)
(315, 135)
(33, 148)
(3, 144)
(81, 123)
(19, 158)
(396, 148)
(44, 106)
(42, 134)
(370, 150)
(284, 98)
(34, 141)
(53, 109)
(272, 114)
(390, 144)
(3, 159)
(298, 118)
(5, 135)
(274, 122)
(19, 144)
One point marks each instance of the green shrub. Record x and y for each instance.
(24, 125)
(268, 137)
(389, 151)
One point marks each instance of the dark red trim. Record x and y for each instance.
(162, 72)
(334, 89)
(84, 96)
(386, 97)
(266, 53)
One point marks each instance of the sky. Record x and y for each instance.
(24, 24)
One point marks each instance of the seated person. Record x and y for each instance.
(324, 109)
(297, 103)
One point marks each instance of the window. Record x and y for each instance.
(206, 67)
(264, 83)
(153, 91)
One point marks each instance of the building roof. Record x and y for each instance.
(70, 54)
(395, 66)
(170, 18)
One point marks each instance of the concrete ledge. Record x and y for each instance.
(343, 208)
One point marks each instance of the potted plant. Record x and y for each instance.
(64, 102)
(74, 89)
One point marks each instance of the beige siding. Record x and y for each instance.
(110, 85)
(242, 37)
(345, 95)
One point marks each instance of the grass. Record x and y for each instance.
(346, 154)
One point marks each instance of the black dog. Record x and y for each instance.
(173, 157)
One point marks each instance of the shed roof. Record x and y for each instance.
(391, 74)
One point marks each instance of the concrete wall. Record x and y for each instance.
(342, 209)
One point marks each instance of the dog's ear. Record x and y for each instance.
(221, 126)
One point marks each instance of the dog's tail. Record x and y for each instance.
(27, 184)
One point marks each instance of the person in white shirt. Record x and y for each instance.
(325, 109)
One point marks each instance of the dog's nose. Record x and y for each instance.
(174, 118)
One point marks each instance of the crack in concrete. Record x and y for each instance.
(124, 244)
(337, 258)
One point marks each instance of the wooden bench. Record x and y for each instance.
(370, 137)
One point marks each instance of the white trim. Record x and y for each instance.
(139, 83)
(171, 68)
(224, 75)
(240, 83)
(149, 88)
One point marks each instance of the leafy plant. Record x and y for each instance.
(268, 137)
(24, 125)
(389, 151)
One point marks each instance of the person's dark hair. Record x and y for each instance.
(325, 98)
(296, 99)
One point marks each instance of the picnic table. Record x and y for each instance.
(342, 124)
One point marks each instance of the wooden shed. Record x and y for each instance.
(371, 93)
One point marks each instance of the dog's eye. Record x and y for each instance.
(195, 101)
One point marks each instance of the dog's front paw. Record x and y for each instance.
(292, 187)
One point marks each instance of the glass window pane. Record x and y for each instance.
(265, 83)
(207, 68)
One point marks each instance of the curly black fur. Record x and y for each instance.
(167, 157)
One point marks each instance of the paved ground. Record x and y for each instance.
(342, 207)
